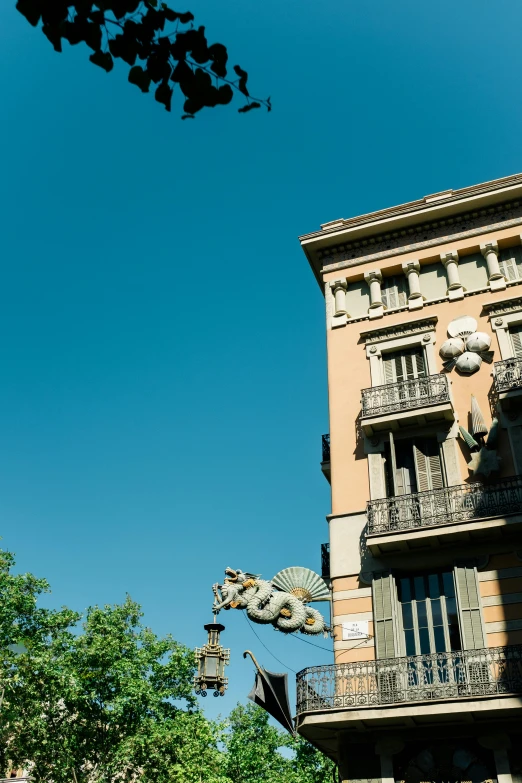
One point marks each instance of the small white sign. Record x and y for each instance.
(356, 630)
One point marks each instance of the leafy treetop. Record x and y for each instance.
(133, 30)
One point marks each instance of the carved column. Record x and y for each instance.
(339, 293)
(374, 279)
(499, 744)
(386, 749)
(497, 281)
(411, 269)
(451, 262)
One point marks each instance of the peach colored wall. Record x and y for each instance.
(349, 373)
(353, 605)
(501, 586)
(356, 654)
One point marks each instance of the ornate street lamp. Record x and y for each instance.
(212, 659)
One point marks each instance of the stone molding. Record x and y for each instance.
(504, 307)
(468, 224)
(400, 330)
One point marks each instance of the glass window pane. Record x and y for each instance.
(420, 591)
(424, 641)
(405, 590)
(422, 615)
(451, 609)
(433, 584)
(407, 616)
(436, 612)
(454, 637)
(449, 587)
(440, 642)
(410, 643)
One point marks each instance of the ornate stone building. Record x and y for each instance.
(424, 457)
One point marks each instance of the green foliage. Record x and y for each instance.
(108, 700)
(255, 752)
(133, 30)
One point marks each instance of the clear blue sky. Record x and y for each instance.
(163, 385)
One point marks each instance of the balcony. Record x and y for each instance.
(508, 383)
(461, 512)
(325, 463)
(369, 692)
(409, 403)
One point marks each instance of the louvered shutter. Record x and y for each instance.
(393, 368)
(510, 262)
(389, 375)
(428, 465)
(516, 341)
(418, 363)
(508, 268)
(385, 616)
(402, 297)
(470, 611)
(393, 292)
(408, 366)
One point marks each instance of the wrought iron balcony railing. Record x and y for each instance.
(406, 395)
(508, 375)
(325, 440)
(442, 506)
(432, 677)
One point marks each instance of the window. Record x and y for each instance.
(515, 334)
(413, 465)
(510, 262)
(404, 365)
(421, 614)
(429, 613)
(393, 292)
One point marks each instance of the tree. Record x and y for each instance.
(253, 752)
(108, 701)
(133, 30)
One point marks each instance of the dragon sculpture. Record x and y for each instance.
(280, 601)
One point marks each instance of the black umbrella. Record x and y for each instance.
(270, 692)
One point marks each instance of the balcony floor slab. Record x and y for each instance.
(416, 417)
(437, 536)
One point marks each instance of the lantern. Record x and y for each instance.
(212, 659)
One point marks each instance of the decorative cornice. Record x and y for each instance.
(408, 240)
(400, 330)
(503, 307)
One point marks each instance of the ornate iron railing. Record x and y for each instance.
(452, 675)
(442, 506)
(325, 561)
(508, 375)
(415, 393)
(325, 441)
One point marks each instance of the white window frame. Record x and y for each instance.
(375, 351)
(501, 325)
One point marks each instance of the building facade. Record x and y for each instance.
(424, 457)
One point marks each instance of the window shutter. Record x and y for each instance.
(510, 262)
(428, 465)
(516, 341)
(418, 362)
(401, 292)
(470, 612)
(389, 375)
(393, 292)
(408, 365)
(385, 616)
(508, 268)
(399, 369)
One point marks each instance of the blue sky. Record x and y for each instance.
(163, 384)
